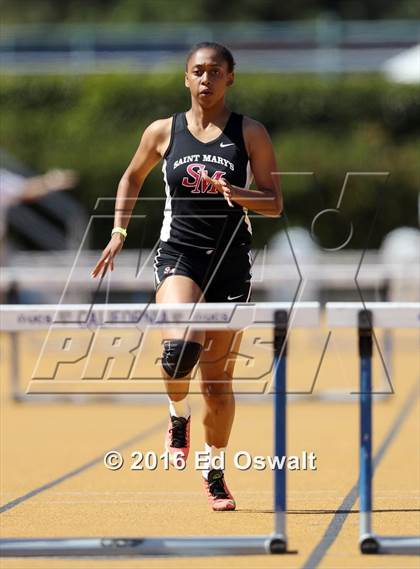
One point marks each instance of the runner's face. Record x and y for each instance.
(207, 77)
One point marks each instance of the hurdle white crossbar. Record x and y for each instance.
(17, 318)
(210, 316)
(366, 317)
(278, 316)
(387, 315)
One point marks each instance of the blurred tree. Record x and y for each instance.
(329, 126)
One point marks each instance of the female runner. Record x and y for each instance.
(209, 156)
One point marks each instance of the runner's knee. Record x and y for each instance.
(180, 357)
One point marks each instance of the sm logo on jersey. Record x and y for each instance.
(197, 183)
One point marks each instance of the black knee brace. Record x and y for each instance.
(179, 357)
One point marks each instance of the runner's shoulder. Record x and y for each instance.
(159, 129)
(254, 132)
(158, 134)
(253, 127)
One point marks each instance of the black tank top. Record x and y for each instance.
(195, 213)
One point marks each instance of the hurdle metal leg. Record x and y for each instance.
(14, 367)
(370, 542)
(365, 478)
(280, 404)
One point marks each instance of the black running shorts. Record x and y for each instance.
(222, 276)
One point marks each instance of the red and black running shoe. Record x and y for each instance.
(219, 497)
(177, 441)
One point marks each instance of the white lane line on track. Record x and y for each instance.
(140, 436)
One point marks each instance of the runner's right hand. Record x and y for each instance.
(107, 258)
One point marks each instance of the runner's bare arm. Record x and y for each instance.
(152, 147)
(267, 199)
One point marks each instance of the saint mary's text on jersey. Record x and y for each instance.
(204, 158)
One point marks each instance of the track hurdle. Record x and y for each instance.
(379, 315)
(280, 317)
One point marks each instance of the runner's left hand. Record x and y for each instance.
(221, 186)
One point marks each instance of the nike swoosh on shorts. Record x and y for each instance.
(234, 297)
